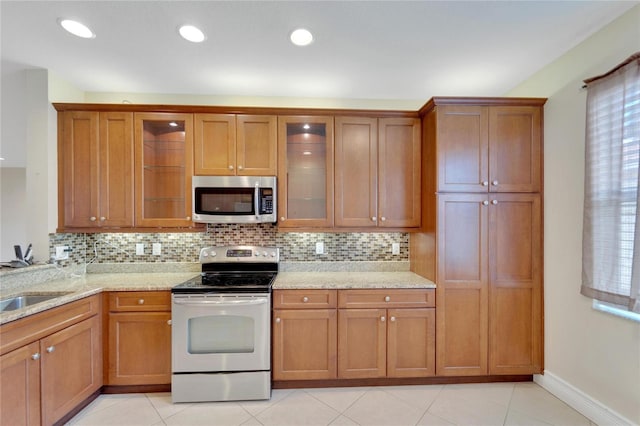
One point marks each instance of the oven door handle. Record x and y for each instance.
(220, 302)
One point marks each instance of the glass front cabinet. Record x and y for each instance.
(164, 166)
(305, 171)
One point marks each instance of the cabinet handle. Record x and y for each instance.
(392, 319)
(51, 349)
(382, 319)
(387, 299)
(240, 167)
(494, 183)
(230, 167)
(485, 203)
(282, 218)
(92, 218)
(140, 301)
(35, 356)
(278, 320)
(169, 322)
(494, 202)
(485, 183)
(305, 299)
(383, 218)
(188, 217)
(102, 218)
(374, 218)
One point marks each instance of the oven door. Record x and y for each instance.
(222, 332)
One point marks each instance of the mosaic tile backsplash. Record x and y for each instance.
(185, 247)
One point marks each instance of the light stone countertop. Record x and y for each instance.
(350, 280)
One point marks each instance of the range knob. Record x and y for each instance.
(273, 254)
(205, 254)
(265, 254)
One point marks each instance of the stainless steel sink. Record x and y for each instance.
(24, 300)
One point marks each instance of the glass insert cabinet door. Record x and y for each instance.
(305, 171)
(164, 166)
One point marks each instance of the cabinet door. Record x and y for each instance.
(305, 172)
(462, 291)
(515, 294)
(214, 144)
(304, 344)
(116, 169)
(362, 343)
(71, 366)
(257, 145)
(399, 175)
(20, 386)
(139, 348)
(164, 167)
(78, 163)
(515, 148)
(411, 342)
(356, 163)
(462, 148)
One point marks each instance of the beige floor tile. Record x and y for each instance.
(252, 422)
(163, 405)
(256, 407)
(298, 409)
(533, 401)
(210, 413)
(499, 393)
(377, 407)
(134, 410)
(517, 418)
(343, 421)
(430, 420)
(462, 409)
(420, 397)
(337, 398)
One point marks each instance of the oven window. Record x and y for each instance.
(221, 334)
(224, 201)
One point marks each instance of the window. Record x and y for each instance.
(611, 234)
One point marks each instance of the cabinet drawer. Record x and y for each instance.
(140, 301)
(397, 298)
(304, 299)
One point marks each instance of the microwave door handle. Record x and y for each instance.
(256, 201)
(220, 302)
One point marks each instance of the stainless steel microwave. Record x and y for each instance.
(234, 199)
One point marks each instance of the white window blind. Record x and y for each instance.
(611, 234)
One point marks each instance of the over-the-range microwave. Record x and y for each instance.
(234, 199)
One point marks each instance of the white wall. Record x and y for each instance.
(596, 353)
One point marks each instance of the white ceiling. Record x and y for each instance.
(394, 50)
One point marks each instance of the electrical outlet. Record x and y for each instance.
(139, 249)
(395, 248)
(62, 252)
(319, 247)
(157, 249)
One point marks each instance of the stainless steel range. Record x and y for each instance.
(221, 326)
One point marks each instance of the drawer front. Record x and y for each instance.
(305, 299)
(382, 298)
(140, 301)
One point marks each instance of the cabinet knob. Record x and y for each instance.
(485, 183)
(92, 218)
(494, 202)
(382, 319)
(282, 218)
(140, 301)
(230, 167)
(102, 218)
(485, 203)
(35, 356)
(374, 218)
(277, 320)
(240, 167)
(494, 183)
(305, 299)
(51, 349)
(383, 218)
(392, 319)
(387, 299)
(169, 322)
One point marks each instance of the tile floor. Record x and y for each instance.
(464, 404)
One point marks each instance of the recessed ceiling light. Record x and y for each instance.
(191, 33)
(76, 28)
(301, 37)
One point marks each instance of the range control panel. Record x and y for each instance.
(240, 254)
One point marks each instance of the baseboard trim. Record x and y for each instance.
(589, 407)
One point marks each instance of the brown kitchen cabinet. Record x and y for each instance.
(95, 169)
(230, 144)
(489, 317)
(304, 334)
(139, 339)
(494, 147)
(305, 171)
(163, 169)
(37, 353)
(377, 172)
(386, 333)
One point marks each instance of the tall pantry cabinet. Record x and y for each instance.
(481, 236)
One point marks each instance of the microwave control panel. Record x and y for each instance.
(266, 201)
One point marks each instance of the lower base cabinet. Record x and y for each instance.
(45, 379)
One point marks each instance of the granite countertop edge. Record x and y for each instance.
(85, 285)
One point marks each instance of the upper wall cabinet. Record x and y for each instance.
(305, 171)
(95, 169)
(488, 148)
(377, 172)
(229, 144)
(163, 169)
